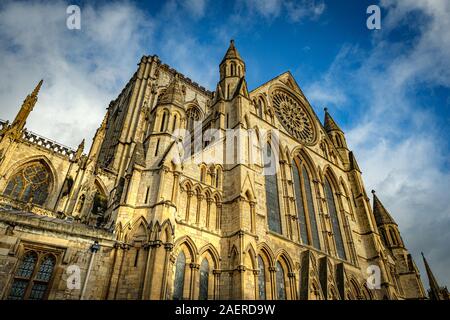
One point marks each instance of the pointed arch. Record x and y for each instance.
(283, 255)
(32, 178)
(250, 251)
(167, 231)
(186, 241)
(264, 249)
(330, 187)
(212, 251)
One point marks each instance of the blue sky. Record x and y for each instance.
(388, 88)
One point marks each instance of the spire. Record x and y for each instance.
(80, 150)
(434, 287)
(232, 70)
(231, 53)
(27, 106)
(382, 216)
(329, 123)
(173, 93)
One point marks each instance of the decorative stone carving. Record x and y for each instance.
(294, 116)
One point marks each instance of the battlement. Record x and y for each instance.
(49, 144)
(187, 80)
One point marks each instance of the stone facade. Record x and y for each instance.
(149, 214)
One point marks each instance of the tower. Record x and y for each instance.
(232, 70)
(336, 135)
(404, 275)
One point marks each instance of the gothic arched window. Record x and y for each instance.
(31, 182)
(174, 125)
(261, 279)
(33, 276)
(299, 202)
(178, 283)
(193, 115)
(260, 108)
(305, 206)
(164, 121)
(272, 201)
(334, 220)
(393, 237)
(204, 275)
(218, 177)
(281, 288)
(100, 203)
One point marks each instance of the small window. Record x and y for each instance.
(281, 288)
(32, 277)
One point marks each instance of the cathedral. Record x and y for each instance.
(187, 193)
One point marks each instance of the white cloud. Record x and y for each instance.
(82, 69)
(196, 8)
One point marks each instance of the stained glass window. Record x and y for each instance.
(311, 211)
(261, 279)
(46, 268)
(272, 201)
(178, 284)
(100, 204)
(26, 268)
(299, 202)
(30, 183)
(281, 289)
(204, 274)
(29, 284)
(334, 220)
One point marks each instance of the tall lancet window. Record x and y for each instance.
(305, 206)
(311, 211)
(334, 220)
(261, 279)
(299, 202)
(204, 274)
(281, 288)
(178, 283)
(272, 201)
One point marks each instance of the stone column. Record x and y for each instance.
(176, 181)
(218, 214)
(200, 198)
(252, 216)
(190, 193)
(292, 285)
(209, 200)
(216, 284)
(168, 248)
(194, 271)
(273, 286)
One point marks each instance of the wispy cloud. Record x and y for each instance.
(296, 11)
(82, 69)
